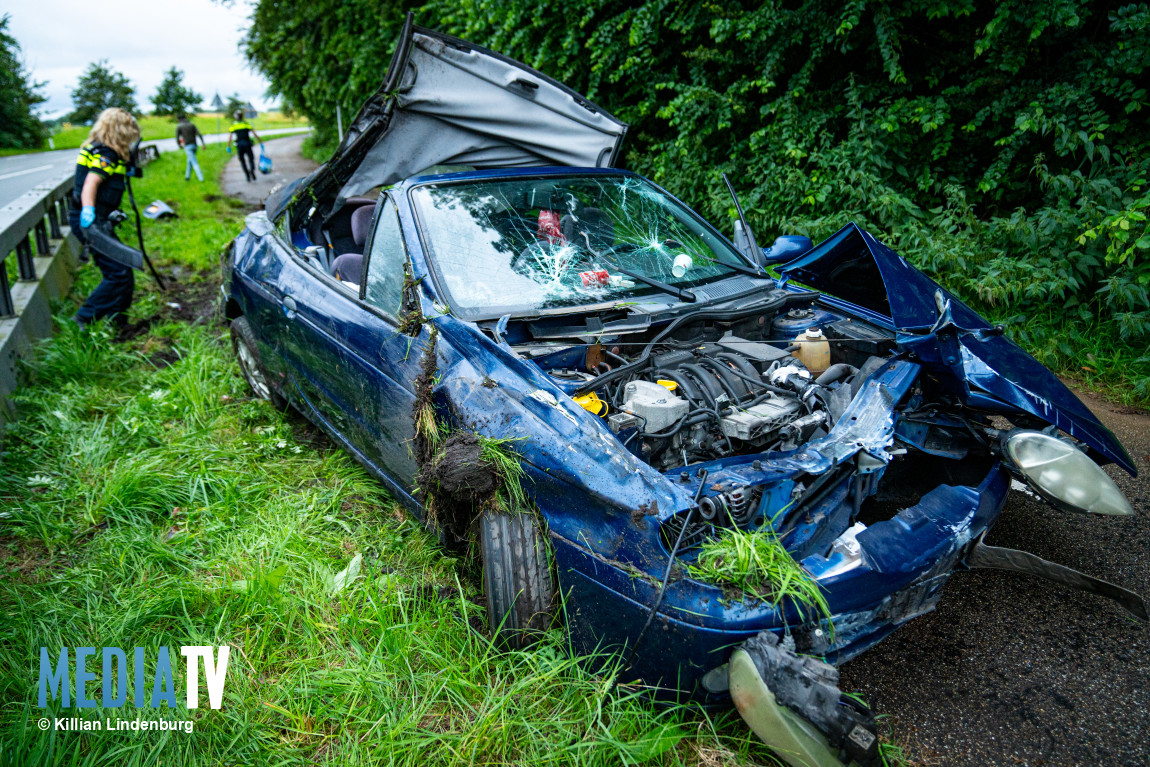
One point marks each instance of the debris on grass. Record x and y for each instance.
(756, 564)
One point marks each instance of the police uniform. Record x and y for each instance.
(243, 131)
(113, 295)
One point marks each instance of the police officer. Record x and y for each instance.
(244, 132)
(101, 177)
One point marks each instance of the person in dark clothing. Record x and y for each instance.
(186, 135)
(244, 133)
(100, 180)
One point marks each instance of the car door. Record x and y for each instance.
(343, 353)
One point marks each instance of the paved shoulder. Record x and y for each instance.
(287, 165)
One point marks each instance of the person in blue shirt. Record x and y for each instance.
(98, 187)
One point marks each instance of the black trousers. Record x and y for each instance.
(113, 295)
(247, 160)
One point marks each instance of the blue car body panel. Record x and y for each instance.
(994, 372)
(348, 368)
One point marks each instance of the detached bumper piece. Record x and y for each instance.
(982, 556)
(793, 703)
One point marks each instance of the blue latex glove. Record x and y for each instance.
(228, 148)
(87, 216)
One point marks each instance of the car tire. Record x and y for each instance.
(248, 357)
(517, 579)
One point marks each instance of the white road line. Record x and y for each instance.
(24, 172)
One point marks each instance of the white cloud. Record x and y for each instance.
(60, 38)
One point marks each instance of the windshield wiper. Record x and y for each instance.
(685, 296)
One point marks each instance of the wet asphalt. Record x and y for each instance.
(1012, 670)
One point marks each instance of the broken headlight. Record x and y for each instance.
(1064, 475)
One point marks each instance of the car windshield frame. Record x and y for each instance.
(638, 290)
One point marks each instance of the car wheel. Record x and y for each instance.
(244, 345)
(517, 578)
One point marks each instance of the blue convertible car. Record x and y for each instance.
(472, 249)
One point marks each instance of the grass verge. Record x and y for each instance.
(147, 500)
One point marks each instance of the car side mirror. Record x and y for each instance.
(786, 247)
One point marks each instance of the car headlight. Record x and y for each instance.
(1064, 475)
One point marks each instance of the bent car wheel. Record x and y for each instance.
(244, 345)
(516, 578)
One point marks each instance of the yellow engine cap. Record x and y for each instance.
(592, 403)
(670, 385)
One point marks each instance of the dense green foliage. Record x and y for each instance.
(99, 88)
(19, 127)
(1002, 147)
(172, 97)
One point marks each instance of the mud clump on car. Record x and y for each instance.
(458, 471)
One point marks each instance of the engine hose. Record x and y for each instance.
(793, 299)
(763, 384)
(835, 372)
(735, 388)
(740, 365)
(683, 384)
(687, 420)
(705, 379)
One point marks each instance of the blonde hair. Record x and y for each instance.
(117, 129)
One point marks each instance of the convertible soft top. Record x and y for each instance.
(445, 101)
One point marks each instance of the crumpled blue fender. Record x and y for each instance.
(990, 371)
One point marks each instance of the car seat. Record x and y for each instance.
(348, 267)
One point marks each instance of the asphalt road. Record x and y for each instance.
(22, 172)
(287, 165)
(1011, 670)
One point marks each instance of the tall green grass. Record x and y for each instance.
(146, 499)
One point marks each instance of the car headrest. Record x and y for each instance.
(361, 223)
(348, 267)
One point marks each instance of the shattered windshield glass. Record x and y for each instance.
(513, 246)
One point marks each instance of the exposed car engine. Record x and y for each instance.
(702, 390)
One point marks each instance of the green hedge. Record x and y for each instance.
(1002, 147)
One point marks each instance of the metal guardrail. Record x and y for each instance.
(26, 226)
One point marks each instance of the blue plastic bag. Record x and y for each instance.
(265, 161)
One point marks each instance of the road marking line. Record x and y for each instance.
(23, 172)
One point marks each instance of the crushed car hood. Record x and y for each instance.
(447, 102)
(854, 266)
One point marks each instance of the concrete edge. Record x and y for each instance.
(33, 321)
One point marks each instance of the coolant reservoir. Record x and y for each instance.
(814, 350)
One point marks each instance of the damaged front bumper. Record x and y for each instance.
(898, 573)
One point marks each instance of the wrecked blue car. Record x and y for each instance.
(470, 265)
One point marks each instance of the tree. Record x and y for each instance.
(234, 103)
(100, 88)
(19, 128)
(172, 98)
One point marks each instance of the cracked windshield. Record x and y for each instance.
(524, 245)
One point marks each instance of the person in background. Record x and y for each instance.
(186, 135)
(98, 186)
(244, 133)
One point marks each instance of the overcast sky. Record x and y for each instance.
(60, 38)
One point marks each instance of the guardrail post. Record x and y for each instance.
(7, 308)
(24, 262)
(54, 222)
(42, 246)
